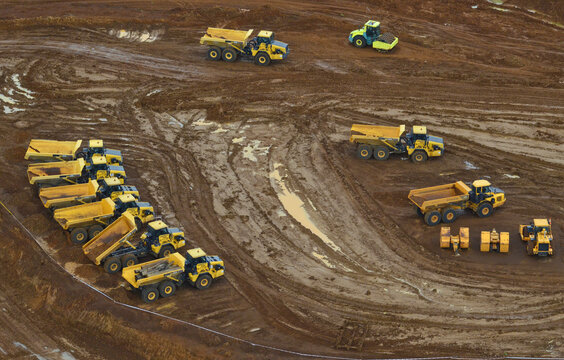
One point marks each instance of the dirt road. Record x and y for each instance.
(322, 249)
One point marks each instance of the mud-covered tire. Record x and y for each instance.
(94, 230)
(262, 58)
(530, 247)
(484, 210)
(359, 41)
(149, 294)
(364, 151)
(433, 218)
(381, 153)
(204, 281)
(129, 260)
(228, 55)
(214, 53)
(525, 232)
(166, 251)
(112, 265)
(167, 288)
(449, 215)
(138, 223)
(79, 236)
(419, 157)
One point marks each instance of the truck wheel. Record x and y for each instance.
(419, 156)
(94, 230)
(129, 260)
(530, 247)
(149, 294)
(167, 288)
(166, 251)
(262, 58)
(449, 215)
(381, 153)
(484, 210)
(364, 151)
(79, 236)
(138, 223)
(432, 218)
(229, 55)
(204, 281)
(112, 265)
(359, 41)
(214, 53)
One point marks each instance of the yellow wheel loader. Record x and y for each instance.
(163, 276)
(538, 236)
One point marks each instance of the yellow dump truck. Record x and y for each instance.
(68, 195)
(538, 236)
(114, 249)
(87, 220)
(456, 242)
(53, 150)
(163, 276)
(381, 141)
(494, 241)
(229, 44)
(57, 173)
(444, 202)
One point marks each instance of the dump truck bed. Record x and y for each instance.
(222, 37)
(437, 196)
(82, 214)
(52, 150)
(154, 271)
(44, 172)
(110, 239)
(60, 196)
(377, 132)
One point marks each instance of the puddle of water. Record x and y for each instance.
(500, 9)
(7, 99)
(140, 36)
(238, 140)
(496, 2)
(250, 151)
(103, 119)
(156, 91)
(9, 110)
(220, 129)
(25, 92)
(512, 176)
(323, 259)
(469, 166)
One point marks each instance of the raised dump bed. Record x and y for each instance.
(52, 150)
(68, 195)
(55, 173)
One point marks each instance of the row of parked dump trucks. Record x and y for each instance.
(85, 189)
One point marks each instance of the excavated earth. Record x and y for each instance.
(324, 253)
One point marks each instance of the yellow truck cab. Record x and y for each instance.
(112, 187)
(99, 169)
(96, 147)
(142, 211)
(538, 236)
(163, 239)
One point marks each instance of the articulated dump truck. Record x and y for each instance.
(445, 202)
(68, 195)
(163, 276)
(56, 173)
(52, 150)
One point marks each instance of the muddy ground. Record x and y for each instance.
(322, 249)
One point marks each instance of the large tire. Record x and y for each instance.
(112, 265)
(484, 210)
(149, 294)
(167, 288)
(214, 53)
(228, 55)
(530, 247)
(129, 260)
(204, 281)
(419, 212)
(449, 215)
(94, 230)
(138, 223)
(79, 236)
(364, 151)
(419, 156)
(381, 153)
(359, 41)
(433, 218)
(262, 58)
(166, 251)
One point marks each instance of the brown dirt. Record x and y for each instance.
(254, 164)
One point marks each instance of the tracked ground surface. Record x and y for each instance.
(324, 254)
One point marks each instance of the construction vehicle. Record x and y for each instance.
(56, 173)
(85, 221)
(112, 187)
(381, 141)
(230, 44)
(371, 35)
(443, 202)
(161, 277)
(538, 236)
(113, 247)
(494, 241)
(69, 195)
(53, 150)
(99, 169)
(456, 242)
